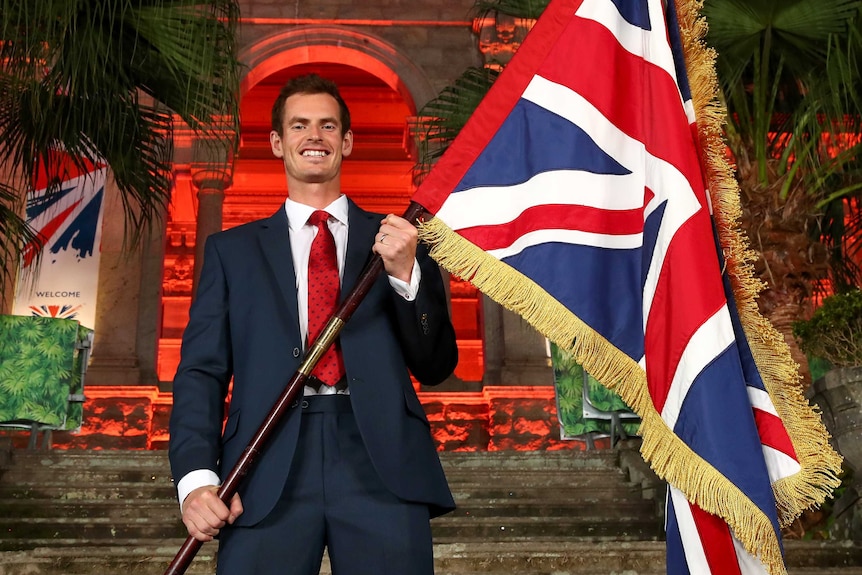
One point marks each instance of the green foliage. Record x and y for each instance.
(441, 119)
(569, 379)
(834, 332)
(39, 368)
(517, 8)
(791, 80)
(103, 80)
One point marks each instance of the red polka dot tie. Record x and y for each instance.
(323, 287)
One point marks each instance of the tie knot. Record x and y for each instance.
(318, 217)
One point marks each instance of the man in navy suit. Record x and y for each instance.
(352, 467)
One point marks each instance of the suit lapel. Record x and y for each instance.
(360, 237)
(274, 240)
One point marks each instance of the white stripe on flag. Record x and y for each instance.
(759, 399)
(688, 533)
(778, 464)
(568, 237)
(748, 564)
(502, 204)
(711, 339)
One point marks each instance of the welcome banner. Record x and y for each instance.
(64, 281)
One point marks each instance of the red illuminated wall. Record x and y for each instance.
(497, 418)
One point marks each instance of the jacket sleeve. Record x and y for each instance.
(206, 366)
(426, 331)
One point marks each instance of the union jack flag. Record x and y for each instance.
(576, 196)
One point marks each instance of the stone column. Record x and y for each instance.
(114, 359)
(211, 183)
(515, 353)
(838, 394)
(492, 315)
(150, 304)
(525, 353)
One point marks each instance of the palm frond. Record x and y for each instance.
(103, 81)
(440, 120)
(531, 9)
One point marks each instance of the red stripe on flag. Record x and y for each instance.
(717, 542)
(648, 196)
(773, 433)
(689, 291)
(556, 217)
(608, 76)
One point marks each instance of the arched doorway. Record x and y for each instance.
(377, 175)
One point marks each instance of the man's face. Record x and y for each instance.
(311, 144)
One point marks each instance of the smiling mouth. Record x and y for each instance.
(314, 154)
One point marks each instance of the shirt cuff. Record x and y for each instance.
(405, 290)
(194, 479)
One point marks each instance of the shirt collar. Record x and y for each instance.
(298, 214)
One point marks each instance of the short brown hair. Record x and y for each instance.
(308, 84)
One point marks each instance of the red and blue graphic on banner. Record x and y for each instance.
(68, 225)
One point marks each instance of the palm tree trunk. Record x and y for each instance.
(782, 317)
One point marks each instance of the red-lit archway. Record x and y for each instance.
(381, 88)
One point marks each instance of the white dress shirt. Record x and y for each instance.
(301, 235)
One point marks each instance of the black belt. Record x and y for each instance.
(335, 403)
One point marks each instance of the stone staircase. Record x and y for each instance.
(532, 513)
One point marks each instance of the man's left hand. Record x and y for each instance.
(396, 244)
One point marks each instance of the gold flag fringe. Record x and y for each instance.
(820, 464)
(669, 456)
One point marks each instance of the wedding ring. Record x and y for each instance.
(382, 237)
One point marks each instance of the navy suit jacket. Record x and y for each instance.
(244, 324)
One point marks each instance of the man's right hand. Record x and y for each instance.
(204, 514)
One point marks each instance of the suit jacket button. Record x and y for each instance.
(296, 352)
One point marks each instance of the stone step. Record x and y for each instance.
(513, 491)
(20, 533)
(166, 509)
(142, 557)
(59, 491)
(540, 513)
(549, 507)
(153, 465)
(152, 510)
(134, 557)
(146, 492)
(27, 534)
(569, 459)
(585, 476)
(498, 460)
(527, 528)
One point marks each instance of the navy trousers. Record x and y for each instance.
(333, 499)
